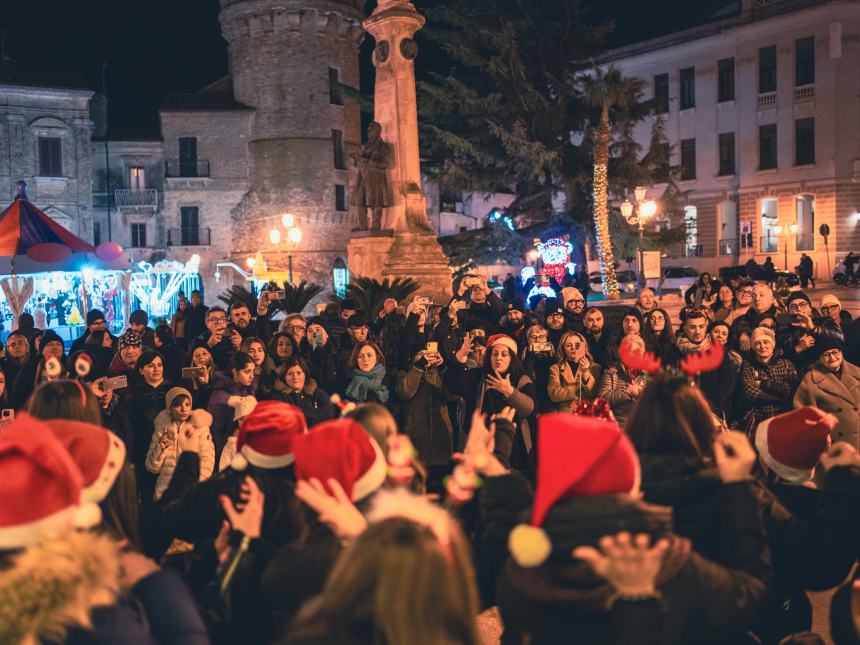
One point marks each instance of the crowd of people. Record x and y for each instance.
(599, 474)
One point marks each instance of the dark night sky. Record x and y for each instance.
(156, 47)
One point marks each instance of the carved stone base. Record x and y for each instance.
(419, 256)
(407, 255)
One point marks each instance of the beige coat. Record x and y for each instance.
(162, 460)
(838, 396)
(566, 390)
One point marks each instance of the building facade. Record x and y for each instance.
(762, 113)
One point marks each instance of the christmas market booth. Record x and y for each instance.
(54, 275)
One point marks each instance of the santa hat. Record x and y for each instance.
(41, 486)
(99, 454)
(504, 341)
(791, 443)
(578, 456)
(341, 450)
(242, 406)
(266, 437)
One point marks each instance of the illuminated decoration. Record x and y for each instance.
(555, 253)
(539, 290)
(154, 286)
(497, 216)
(526, 274)
(601, 229)
(341, 278)
(571, 267)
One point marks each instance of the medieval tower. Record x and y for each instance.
(293, 62)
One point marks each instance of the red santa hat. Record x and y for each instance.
(99, 454)
(341, 450)
(41, 486)
(578, 456)
(267, 436)
(504, 340)
(790, 444)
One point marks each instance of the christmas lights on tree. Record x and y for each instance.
(601, 229)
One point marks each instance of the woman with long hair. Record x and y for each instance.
(365, 600)
(229, 393)
(500, 382)
(200, 382)
(658, 335)
(620, 385)
(574, 375)
(725, 302)
(281, 347)
(367, 381)
(65, 399)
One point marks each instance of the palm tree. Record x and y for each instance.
(296, 297)
(370, 294)
(614, 96)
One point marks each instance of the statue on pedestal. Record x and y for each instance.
(372, 190)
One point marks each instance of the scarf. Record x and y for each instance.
(364, 382)
(686, 346)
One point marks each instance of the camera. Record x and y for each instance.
(542, 348)
(192, 372)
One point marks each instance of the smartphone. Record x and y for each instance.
(432, 347)
(471, 280)
(192, 372)
(277, 295)
(115, 383)
(8, 414)
(784, 320)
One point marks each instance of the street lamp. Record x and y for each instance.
(647, 209)
(789, 230)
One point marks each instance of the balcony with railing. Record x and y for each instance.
(179, 169)
(768, 244)
(766, 100)
(189, 237)
(804, 93)
(728, 247)
(128, 199)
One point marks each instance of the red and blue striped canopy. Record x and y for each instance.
(23, 226)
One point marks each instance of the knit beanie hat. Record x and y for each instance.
(139, 316)
(267, 436)
(797, 295)
(517, 304)
(99, 453)
(829, 300)
(571, 293)
(553, 306)
(824, 343)
(357, 320)
(762, 332)
(578, 456)
(341, 450)
(130, 338)
(41, 486)
(94, 315)
(791, 443)
(50, 336)
(171, 395)
(635, 313)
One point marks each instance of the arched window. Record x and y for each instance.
(341, 277)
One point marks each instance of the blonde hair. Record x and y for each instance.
(561, 355)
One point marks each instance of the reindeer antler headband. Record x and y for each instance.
(692, 365)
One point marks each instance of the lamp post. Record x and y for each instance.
(789, 230)
(294, 238)
(646, 209)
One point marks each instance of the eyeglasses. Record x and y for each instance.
(829, 307)
(218, 319)
(557, 314)
(799, 304)
(296, 327)
(576, 301)
(745, 292)
(773, 327)
(831, 354)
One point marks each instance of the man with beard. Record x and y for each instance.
(515, 320)
(799, 339)
(240, 316)
(717, 385)
(574, 306)
(554, 316)
(599, 339)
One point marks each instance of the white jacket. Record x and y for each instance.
(162, 460)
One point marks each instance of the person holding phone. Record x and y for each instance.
(500, 382)
(575, 375)
(425, 412)
(199, 374)
(318, 349)
(804, 329)
(222, 343)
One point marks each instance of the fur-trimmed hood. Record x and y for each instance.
(54, 584)
(200, 420)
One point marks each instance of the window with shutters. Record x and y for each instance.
(50, 157)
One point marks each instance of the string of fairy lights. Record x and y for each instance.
(601, 227)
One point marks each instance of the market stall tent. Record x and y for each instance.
(31, 242)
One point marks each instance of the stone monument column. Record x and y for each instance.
(415, 251)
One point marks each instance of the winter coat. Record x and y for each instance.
(777, 381)
(315, 403)
(538, 366)
(221, 352)
(613, 388)
(425, 414)
(162, 460)
(223, 414)
(52, 587)
(788, 339)
(717, 385)
(566, 389)
(144, 403)
(837, 394)
(709, 603)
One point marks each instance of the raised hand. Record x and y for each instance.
(249, 519)
(336, 510)
(628, 565)
(500, 384)
(735, 456)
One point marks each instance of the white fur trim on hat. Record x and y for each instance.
(113, 464)
(263, 461)
(506, 341)
(16, 537)
(375, 476)
(792, 475)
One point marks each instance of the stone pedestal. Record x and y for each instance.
(367, 253)
(419, 256)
